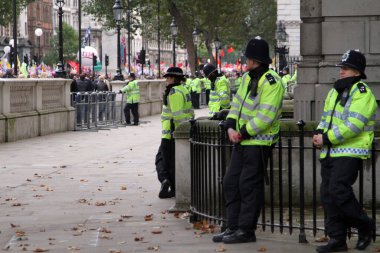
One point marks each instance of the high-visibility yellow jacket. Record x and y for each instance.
(259, 114)
(351, 131)
(238, 82)
(178, 109)
(219, 96)
(206, 83)
(196, 85)
(285, 80)
(188, 84)
(132, 92)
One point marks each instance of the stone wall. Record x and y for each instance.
(330, 28)
(34, 107)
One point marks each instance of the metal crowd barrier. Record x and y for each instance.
(95, 110)
(285, 208)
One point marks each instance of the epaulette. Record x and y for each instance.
(362, 88)
(270, 79)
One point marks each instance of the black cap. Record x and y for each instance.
(208, 69)
(174, 72)
(258, 50)
(132, 75)
(354, 59)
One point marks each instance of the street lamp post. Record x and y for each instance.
(38, 32)
(174, 30)
(217, 44)
(281, 49)
(196, 43)
(117, 13)
(15, 37)
(129, 36)
(60, 73)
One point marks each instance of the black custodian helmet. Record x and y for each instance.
(354, 59)
(258, 49)
(208, 69)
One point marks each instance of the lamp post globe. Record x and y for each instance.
(118, 14)
(196, 41)
(38, 32)
(174, 30)
(60, 72)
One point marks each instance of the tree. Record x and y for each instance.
(70, 45)
(235, 22)
(6, 10)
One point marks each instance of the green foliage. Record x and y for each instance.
(70, 45)
(6, 10)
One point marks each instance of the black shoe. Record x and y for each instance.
(219, 237)
(365, 237)
(240, 236)
(136, 124)
(164, 191)
(333, 245)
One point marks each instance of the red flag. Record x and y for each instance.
(180, 65)
(230, 50)
(221, 53)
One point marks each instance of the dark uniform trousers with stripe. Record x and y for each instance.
(243, 186)
(342, 208)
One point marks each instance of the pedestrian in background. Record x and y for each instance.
(132, 97)
(176, 109)
(345, 135)
(253, 126)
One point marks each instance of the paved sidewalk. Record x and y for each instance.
(97, 192)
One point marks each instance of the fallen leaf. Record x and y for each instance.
(28, 180)
(49, 189)
(262, 249)
(83, 180)
(139, 239)
(17, 204)
(38, 196)
(185, 215)
(20, 233)
(148, 217)
(73, 248)
(105, 181)
(376, 250)
(322, 239)
(122, 242)
(14, 225)
(40, 250)
(101, 203)
(114, 251)
(221, 248)
(42, 185)
(124, 216)
(51, 239)
(82, 201)
(140, 174)
(154, 248)
(109, 212)
(123, 188)
(204, 227)
(99, 189)
(105, 237)
(10, 199)
(156, 230)
(63, 166)
(176, 214)
(104, 230)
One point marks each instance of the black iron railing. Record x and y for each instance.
(291, 193)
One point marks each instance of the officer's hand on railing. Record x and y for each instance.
(234, 136)
(318, 141)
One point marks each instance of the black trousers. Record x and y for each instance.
(134, 107)
(342, 208)
(165, 161)
(207, 96)
(243, 186)
(195, 99)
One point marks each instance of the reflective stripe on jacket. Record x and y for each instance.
(132, 92)
(178, 109)
(351, 132)
(261, 113)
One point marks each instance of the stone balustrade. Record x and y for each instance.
(34, 107)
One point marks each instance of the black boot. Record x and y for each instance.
(333, 245)
(240, 236)
(164, 191)
(365, 236)
(219, 237)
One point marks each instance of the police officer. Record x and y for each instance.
(177, 108)
(196, 91)
(220, 90)
(207, 86)
(132, 92)
(285, 77)
(253, 126)
(345, 135)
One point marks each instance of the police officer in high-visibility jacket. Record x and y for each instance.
(253, 126)
(196, 90)
(177, 108)
(220, 90)
(132, 97)
(345, 135)
(207, 86)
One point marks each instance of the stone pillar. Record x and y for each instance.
(330, 28)
(183, 168)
